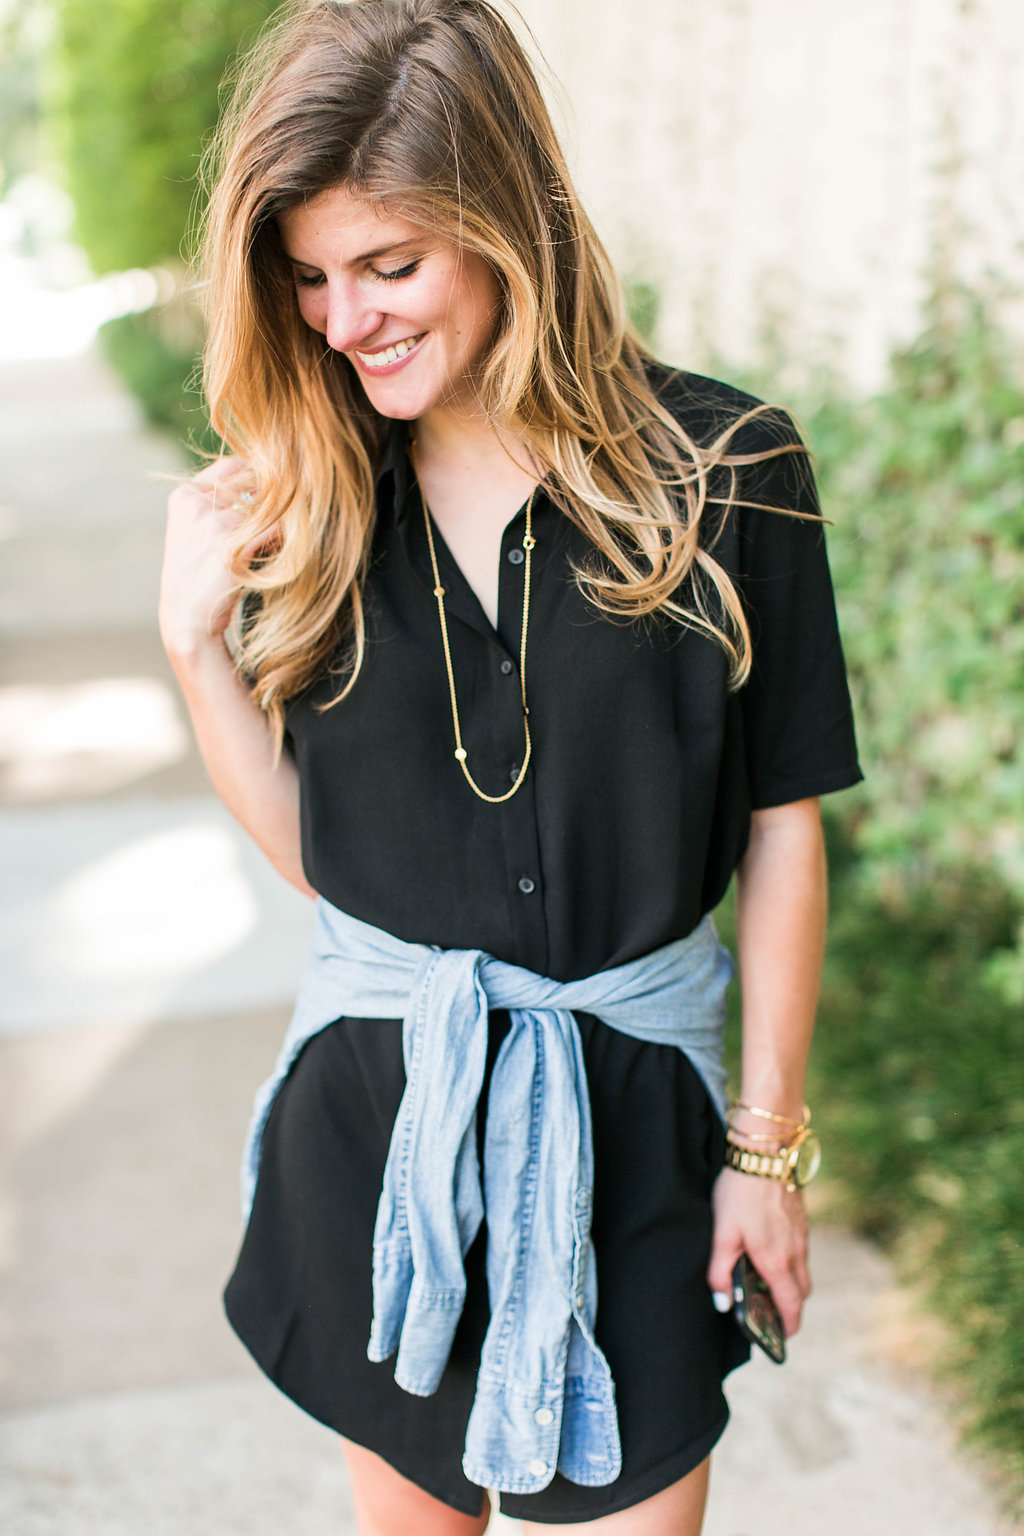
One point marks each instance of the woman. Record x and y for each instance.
(537, 647)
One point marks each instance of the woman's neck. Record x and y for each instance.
(468, 441)
(474, 481)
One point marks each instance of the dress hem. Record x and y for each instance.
(515, 1506)
(667, 1472)
(463, 1508)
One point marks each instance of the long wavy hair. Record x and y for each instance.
(431, 109)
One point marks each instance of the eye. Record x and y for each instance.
(302, 281)
(400, 272)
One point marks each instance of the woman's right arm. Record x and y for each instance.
(197, 598)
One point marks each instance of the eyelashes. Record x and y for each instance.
(393, 277)
(301, 281)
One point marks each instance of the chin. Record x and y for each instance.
(400, 404)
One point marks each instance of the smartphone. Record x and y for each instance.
(756, 1312)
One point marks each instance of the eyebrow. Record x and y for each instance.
(374, 255)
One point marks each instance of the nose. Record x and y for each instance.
(350, 319)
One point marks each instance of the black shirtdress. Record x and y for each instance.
(626, 830)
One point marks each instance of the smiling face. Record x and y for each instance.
(413, 314)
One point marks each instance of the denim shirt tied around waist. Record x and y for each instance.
(545, 1399)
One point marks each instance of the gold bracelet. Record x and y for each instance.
(764, 1145)
(767, 1114)
(778, 1137)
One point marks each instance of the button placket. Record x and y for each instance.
(523, 863)
(519, 829)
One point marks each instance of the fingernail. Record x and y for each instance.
(722, 1301)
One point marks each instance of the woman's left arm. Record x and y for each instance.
(781, 900)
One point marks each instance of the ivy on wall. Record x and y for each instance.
(926, 484)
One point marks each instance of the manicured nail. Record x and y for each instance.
(722, 1301)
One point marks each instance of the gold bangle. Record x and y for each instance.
(767, 1114)
(766, 1146)
(773, 1136)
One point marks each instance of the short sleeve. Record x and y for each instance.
(797, 717)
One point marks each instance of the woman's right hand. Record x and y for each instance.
(197, 590)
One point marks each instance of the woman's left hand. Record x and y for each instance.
(763, 1219)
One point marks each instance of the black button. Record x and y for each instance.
(526, 885)
(516, 557)
(506, 667)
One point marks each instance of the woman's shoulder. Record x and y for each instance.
(707, 407)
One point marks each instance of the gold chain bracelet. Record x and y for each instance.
(767, 1114)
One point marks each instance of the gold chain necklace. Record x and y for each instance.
(460, 752)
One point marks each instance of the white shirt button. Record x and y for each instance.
(538, 1468)
(543, 1416)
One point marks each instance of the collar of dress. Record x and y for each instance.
(545, 1398)
(394, 461)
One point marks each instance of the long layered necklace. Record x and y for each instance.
(461, 756)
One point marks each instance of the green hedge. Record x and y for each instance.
(918, 1079)
(926, 485)
(133, 99)
(163, 376)
(917, 1073)
(135, 94)
(917, 1086)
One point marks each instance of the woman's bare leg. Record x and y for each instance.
(388, 1504)
(675, 1511)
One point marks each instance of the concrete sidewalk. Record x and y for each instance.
(149, 957)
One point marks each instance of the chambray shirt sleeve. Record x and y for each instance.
(797, 717)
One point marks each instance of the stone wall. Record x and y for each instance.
(789, 172)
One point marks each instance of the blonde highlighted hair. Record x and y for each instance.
(431, 109)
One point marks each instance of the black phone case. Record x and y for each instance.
(756, 1312)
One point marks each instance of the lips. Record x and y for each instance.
(386, 358)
